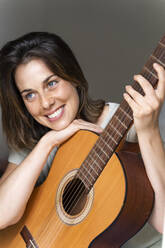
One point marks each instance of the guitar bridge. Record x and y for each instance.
(28, 238)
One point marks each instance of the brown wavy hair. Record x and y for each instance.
(21, 130)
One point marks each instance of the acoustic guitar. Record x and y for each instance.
(94, 195)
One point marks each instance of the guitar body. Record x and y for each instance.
(115, 209)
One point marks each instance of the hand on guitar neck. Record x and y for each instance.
(146, 109)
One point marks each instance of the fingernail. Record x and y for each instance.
(155, 64)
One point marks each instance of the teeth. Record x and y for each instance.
(56, 113)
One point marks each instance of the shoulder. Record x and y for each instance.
(107, 113)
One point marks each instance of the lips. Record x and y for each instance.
(56, 114)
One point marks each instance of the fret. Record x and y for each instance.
(149, 77)
(129, 117)
(159, 52)
(155, 76)
(93, 169)
(112, 150)
(103, 140)
(88, 164)
(158, 60)
(118, 132)
(98, 157)
(112, 138)
(89, 182)
(102, 150)
(87, 170)
(120, 122)
(95, 160)
(149, 65)
(161, 44)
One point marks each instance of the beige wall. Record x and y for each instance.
(111, 39)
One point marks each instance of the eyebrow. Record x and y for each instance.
(45, 81)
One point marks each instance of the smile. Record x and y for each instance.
(56, 114)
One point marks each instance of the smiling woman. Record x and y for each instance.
(52, 101)
(40, 55)
(44, 91)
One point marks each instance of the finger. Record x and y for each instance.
(144, 83)
(150, 97)
(137, 109)
(160, 90)
(81, 124)
(135, 95)
(131, 102)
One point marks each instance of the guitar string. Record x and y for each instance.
(90, 171)
(57, 233)
(140, 88)
(57, 227)
(31, 245)
(97, 157)
(79, 197)
(60, 229)
(92, 167)
(60, 223)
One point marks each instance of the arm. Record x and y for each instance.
(146, 111)
(153, 154)
(18, 182)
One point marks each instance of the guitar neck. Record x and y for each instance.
(119, 124)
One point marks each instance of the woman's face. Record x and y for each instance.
(51, 100)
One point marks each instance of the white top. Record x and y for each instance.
(147, 236)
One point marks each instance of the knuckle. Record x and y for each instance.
(137, 77)
(145, 111)
(161, 68)
(156, 105)
(75, 121)
(148, 110)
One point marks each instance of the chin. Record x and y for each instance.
(60, 126)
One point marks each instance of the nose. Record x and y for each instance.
(47, 101)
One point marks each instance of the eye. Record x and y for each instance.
(52, 84)
(30, 96)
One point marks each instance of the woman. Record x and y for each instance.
(45, 95)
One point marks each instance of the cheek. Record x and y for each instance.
(76, 101)
(32, 109)
(74, 105)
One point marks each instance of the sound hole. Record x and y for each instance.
(74, 197)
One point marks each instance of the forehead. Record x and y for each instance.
(32, 72)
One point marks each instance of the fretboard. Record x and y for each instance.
(121, 121)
